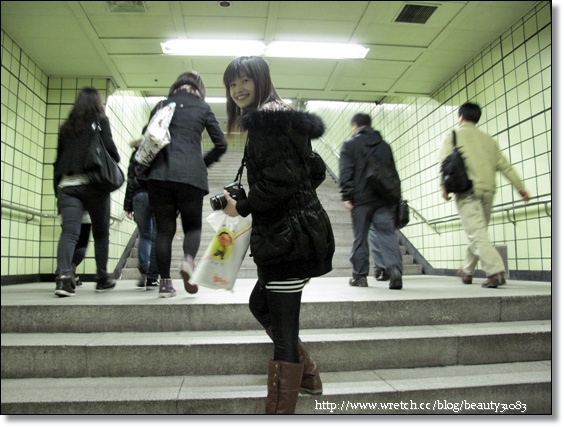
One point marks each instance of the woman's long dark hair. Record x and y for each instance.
(258, 70)
(87, 108)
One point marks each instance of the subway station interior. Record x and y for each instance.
(436, 347)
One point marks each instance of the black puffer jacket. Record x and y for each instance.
(292, 234)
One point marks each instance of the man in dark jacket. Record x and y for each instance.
(366, 206)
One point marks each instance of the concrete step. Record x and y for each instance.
(327, 302)
(502, 388)
(133, 354)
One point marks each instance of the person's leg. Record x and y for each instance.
(143, 215)
(285, 370)
(379, 269)
(475, 219)
(162, 202)
(359, 255)
(71, 209)
(97, 203)
(153, 273)
(383, 223)
(190, 205)
(80, 248)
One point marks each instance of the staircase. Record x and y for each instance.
(435, 347)
(223, 173)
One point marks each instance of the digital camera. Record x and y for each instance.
(235, 190)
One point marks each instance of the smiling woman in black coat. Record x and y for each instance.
(291, 239)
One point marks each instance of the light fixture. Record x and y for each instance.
(316, 50)
(281, 49)
(193, 47)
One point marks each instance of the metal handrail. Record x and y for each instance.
(45, 215)
(417, 213)
(506, 210)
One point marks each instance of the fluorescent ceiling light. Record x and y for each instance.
(316, 50)
(281, 49)
(194, 47)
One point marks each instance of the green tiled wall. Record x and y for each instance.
(33, 107)
(511, 81)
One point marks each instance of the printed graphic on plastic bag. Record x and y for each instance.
(222, 260)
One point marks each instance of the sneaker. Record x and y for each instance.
(384, 276)
(166, 290)
(466, 278)
(142, 281)
(186, 271)
(151, 283)
(105, 285)
(494, 281)
(360, 282)
(396, 281)
(63, 287)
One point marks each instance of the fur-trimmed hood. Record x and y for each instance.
(283, 121)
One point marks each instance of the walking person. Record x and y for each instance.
(292, 238)
(178, 177)
(80, 249)
(483, 159)
(136, 207)
(367, 208)
(75, 194)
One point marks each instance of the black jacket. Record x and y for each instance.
(134, 185)
(292, 235)
(182, 160)
(352, 166)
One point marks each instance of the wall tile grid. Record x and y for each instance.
(511, 80)
(23, 108)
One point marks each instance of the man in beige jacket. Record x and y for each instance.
(483, 159)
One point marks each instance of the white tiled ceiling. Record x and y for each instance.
(85, 39)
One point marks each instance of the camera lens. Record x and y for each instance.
(218, 202)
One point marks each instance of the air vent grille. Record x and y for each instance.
(415, 14)
(126, 6)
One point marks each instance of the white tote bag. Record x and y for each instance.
(156, 136)
(222, 260)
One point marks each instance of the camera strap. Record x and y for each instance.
(239, 175)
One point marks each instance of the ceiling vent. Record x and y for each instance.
(415, 14)
(126, 6)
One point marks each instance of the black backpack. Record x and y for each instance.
(383, 179)
(453, 171)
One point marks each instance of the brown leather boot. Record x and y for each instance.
(311, 380)
(283, 387)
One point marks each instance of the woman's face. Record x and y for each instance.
(242, 91)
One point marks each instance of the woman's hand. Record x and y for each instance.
(230, 209)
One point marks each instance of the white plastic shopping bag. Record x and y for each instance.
(156, 136)
(222, 260)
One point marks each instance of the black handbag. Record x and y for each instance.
(453, 170)
(102, 170)
(317, 169)
(402, 218)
